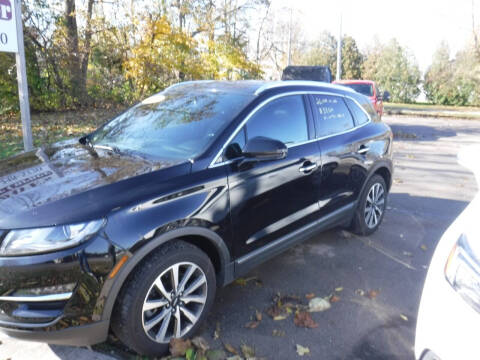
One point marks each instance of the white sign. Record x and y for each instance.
(8, 27)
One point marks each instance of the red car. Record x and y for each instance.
(370, 90)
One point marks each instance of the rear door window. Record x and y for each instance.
(332, 115)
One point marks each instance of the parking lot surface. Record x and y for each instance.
(377, 280)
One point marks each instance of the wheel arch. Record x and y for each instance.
(207, 240)
(382, 168)
(386, 174)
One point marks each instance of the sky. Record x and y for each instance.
(419, 25)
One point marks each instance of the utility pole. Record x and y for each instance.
(22, 80)
(289, 61)
(339, 52)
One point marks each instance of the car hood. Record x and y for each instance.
(69, 182)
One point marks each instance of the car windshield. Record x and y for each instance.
(180, 123)
(364, 89)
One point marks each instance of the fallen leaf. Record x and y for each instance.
(318, 304)
(301, 350)
(200, 343)
(278, 333)
(230, 349)
(216, 355)
(258, 315)
(372, 294)
(339, 289)
(304, 319)
(190, 354)
(423, 247)
(247, 351)
(360, 292)
(404, 317)
(243, 281)
(310, 296)
(179, 347)
(252, 324)
(275, 311)
(280, 317)
(216, 333)
(334, 299)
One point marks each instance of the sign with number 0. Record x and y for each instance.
(8, 27)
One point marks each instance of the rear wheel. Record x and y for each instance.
(371, 207)
(167, 297)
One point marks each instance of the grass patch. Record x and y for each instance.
(48, 128)
(454, 112)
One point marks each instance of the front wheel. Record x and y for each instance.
(371, 206)
(167, 297)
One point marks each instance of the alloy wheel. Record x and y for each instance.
(374, 205)
(174, 302)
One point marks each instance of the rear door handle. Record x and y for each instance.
(363, 149)
(308, 167)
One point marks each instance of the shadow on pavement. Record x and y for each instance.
(419, 132)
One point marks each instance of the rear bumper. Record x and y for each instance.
(76, 336)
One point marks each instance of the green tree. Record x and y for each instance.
(439, 84)
(352, 59)
(467, 77)
(323, 51)
(394, 69)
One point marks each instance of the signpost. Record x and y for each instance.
(11, 40)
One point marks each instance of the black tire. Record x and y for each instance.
(359, 223)
(128, 315)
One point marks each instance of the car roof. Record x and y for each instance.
(252, 87)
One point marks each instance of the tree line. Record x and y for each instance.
(99, 53)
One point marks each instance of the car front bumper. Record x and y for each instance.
(447, 326)
(56, 297)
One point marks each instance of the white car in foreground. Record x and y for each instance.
(448, 324)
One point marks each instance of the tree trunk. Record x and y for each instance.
(86, 54)
(77, 59)
(73, 51)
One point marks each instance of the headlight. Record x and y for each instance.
(463, 272)
(41, 240)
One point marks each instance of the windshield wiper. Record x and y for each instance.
(85, 141)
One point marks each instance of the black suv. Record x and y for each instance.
(132, 227)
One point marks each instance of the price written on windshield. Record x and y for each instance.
(8, 28)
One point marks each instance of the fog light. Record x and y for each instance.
(47, 290)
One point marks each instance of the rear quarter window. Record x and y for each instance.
(358, 113)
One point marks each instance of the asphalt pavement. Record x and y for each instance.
(377, 280)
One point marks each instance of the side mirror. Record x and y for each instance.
(386, 96)
(264, 149)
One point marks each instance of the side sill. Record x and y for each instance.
(258, 256)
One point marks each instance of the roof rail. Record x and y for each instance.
(276, 84)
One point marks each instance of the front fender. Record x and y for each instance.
(112, 287)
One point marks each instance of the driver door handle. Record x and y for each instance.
(308, 167)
